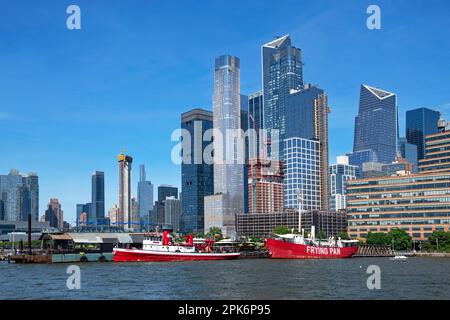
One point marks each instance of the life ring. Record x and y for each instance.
(84, 259)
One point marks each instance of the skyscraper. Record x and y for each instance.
(54, 214)
(255, 121)
(282, 72)
(307, 118)
(172, 210)
(197, 177)
(376, 125)
(83, 210)
(125, 212)
(165, 191)
(419, 123)
(340, 172)
(145, 196)
(228, 174)
(97, 216)
(409, 152)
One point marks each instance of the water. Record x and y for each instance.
(416, 278)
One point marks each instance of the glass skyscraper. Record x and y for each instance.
(409, 152)
(376, 125)
(339, 174)
(97, 216)
(282, 72)
(419, 123)
(197, 179)
(145, 196)
(307, 118)
(255, 121)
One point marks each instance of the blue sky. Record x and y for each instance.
(71, 100)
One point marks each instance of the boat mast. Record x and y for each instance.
(300, 209)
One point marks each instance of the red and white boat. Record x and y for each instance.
(294, 246)
(157, 248)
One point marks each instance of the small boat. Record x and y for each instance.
(162, 248)
(398, 258)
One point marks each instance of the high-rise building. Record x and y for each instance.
(228, 174)
(340, 173)
(358, 158)
(256, 122)
(409, 152)
(420, 123)
(97, 216)
(197, 177)
(416, 203)
(282, 72)
(54, 214)
(307, 118)
(135, 222)
(244, 126)
(376, 125)
(20, 196)
(265, 186)
(125, 214)
(83, 209)
(172, 211)
(113, 214)
(145, 196)
(303, 174)
(165, 191)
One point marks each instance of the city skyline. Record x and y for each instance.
(86, 109)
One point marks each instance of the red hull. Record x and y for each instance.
(280, 249)
(126, 255)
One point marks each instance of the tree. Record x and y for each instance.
(215, 232)
(281, 230)
(377, 238)
(343, 236)
(399, 238)
(438, 241)
(321, 235)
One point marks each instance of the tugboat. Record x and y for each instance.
(296, 246)
(157, 248)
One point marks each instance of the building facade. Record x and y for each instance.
(340, 173)
(420, 123)
(125, 214)
(282, 72)
(83, 214)
(97, 214)
(172, 212)
(416, 203)
(376, 125)
(113, 214)
(166, 191)
(302, 175)
(145, 196)
(256, 122)
(54, 215)
(265, 186)
(409, 152)
(197, 177)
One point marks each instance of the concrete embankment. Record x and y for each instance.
(433, 254)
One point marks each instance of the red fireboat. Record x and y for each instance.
(157, 248)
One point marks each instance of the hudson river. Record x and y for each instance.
(416, 278)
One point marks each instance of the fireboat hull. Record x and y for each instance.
(279, 249)
(134, 255)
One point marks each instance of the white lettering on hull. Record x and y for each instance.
(323, 250)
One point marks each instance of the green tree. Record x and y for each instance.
(321, 235)
(343, 236)
(215, 232)
(399, 238)
(377, 238)
(438, 241)
(281, 230)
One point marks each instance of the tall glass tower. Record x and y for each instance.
(376, 125)
(97, 216)
(145, 196)
(197, 177)
(282, 72)
(229, 152)
(420, 123)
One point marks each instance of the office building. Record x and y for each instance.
(197, 177)
(172, 212)
(409, 152)
(125, 213)
(85, 211)
(113, 214)
(165, 191)
(228, 174)
(340, 173)
(376, 125)
(417, 203)
(54, 215)
(282, 72)
(420, 123)
(97, 214)
(256, 122)
(145, 196)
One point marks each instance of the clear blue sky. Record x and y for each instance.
(71, 100)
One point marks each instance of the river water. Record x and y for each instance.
(416, 278)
